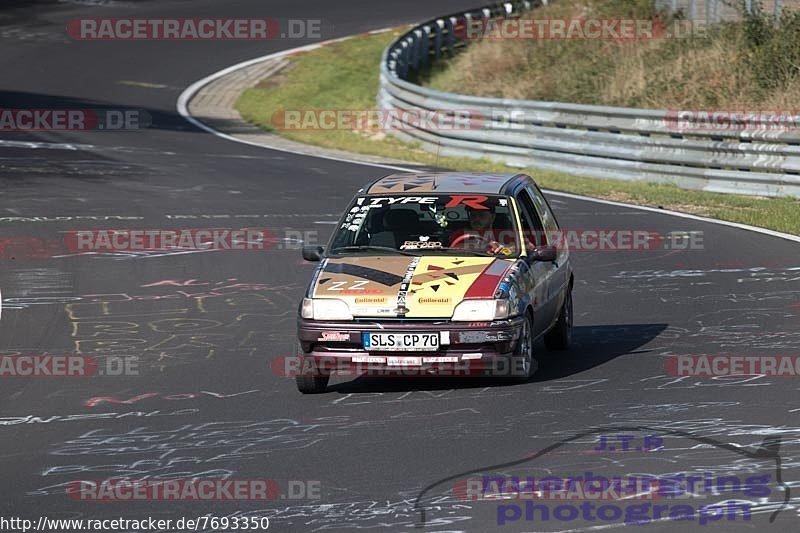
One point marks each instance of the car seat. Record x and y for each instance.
(399, 225)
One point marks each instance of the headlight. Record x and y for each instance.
(480, 311)
(325, 309)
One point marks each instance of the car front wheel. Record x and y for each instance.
(523, 363)
(310, 380)
(311, 384)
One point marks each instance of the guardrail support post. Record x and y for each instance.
(414, 50)
(424, 47)
(437, 39)
(406, 60)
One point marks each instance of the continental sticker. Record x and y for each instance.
(434, 300)
(371, 300)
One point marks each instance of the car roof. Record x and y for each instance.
(442, 182)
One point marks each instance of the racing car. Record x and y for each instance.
(437, 272)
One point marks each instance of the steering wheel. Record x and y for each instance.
(465, 236)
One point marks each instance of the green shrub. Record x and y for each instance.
(772, 47)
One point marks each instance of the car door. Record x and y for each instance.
(538, 272)
(559, 281)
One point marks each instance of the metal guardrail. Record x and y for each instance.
(597, 141)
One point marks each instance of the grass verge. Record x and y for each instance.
(344, 75)
(751, 63)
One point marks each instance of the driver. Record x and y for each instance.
(481, 232)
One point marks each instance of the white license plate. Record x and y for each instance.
(401, 342)
(404, 361)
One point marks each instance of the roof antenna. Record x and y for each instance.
(438, 149)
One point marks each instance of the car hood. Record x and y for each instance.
(428, 287)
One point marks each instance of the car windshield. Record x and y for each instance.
(444, 224)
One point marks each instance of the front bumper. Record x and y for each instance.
(466, 348)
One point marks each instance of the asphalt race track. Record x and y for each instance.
(205, 326)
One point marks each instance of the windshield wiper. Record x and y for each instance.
(368, 247)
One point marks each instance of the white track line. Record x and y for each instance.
(765, 231)
(189, 92)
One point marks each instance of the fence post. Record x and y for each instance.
(437, 41)
(449, 25)
(467, 21)
(424, 47)
(415, 49)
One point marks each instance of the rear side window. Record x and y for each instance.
(543, 209)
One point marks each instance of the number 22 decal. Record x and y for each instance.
(354, 286)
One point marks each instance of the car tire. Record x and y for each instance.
(523, 362)
(311, 384)
(560, 336)
(309, 380)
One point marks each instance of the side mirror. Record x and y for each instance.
(313, 253)
(544, 253)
